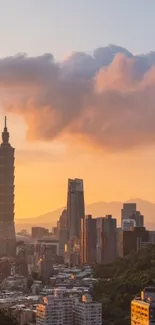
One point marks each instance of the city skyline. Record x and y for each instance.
(77, 107)
(30, 153)
(77, 157)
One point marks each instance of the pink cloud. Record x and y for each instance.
(107, 98)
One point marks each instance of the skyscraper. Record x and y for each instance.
(75, 207)
(127, 211)
(7, 228)
(130, 216)
(88, 240)
(106, 239)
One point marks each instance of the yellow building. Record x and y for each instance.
(142, 312)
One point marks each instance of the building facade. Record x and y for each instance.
(7, 228)
(72, 252)
(152, 237)
(63, 233)
(5, 268)
(48, 255)
(127, 211)
(106, 239)
(54, 310)
(139, 218)
(39, 232)
(127, 224)
(88, 312)
(143, 308)
(75, 207)
(88, 240)
(129, 215)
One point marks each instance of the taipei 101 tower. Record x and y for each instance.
(7, 227)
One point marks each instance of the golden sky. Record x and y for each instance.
(91, 116)
(42, 170)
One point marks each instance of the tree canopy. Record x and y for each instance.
(6, 320)
(121, 281)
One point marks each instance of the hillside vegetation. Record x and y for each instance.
(121, 281)
(6, 320)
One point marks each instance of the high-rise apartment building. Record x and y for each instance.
(55, 310)
(7, 228)
(75, 207)
(88, 240)
(106, 239)
(88, 312)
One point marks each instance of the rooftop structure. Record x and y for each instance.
(88, 312)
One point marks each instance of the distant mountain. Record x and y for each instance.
(96, 209)
(145, 207)
(45, 220)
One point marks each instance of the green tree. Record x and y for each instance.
(121, 281)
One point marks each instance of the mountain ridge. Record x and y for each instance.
(97, 209)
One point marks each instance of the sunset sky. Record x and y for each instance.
(77, 107)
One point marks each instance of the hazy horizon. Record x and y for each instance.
(88, 204)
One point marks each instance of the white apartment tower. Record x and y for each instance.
(55, 310)
(88, 312)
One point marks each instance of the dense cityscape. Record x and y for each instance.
(58, 276)
(77, 157)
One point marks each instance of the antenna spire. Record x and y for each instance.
(5, 133)
(5, 122)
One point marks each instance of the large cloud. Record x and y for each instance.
(107, 98)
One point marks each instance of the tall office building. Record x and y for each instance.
(75, 207)
(7, 229)
(88, 312)
(127, 211)
(54, 310)
(130, 217)
(106, 239)
(88, 240)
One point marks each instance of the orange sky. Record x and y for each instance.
(42, 170)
